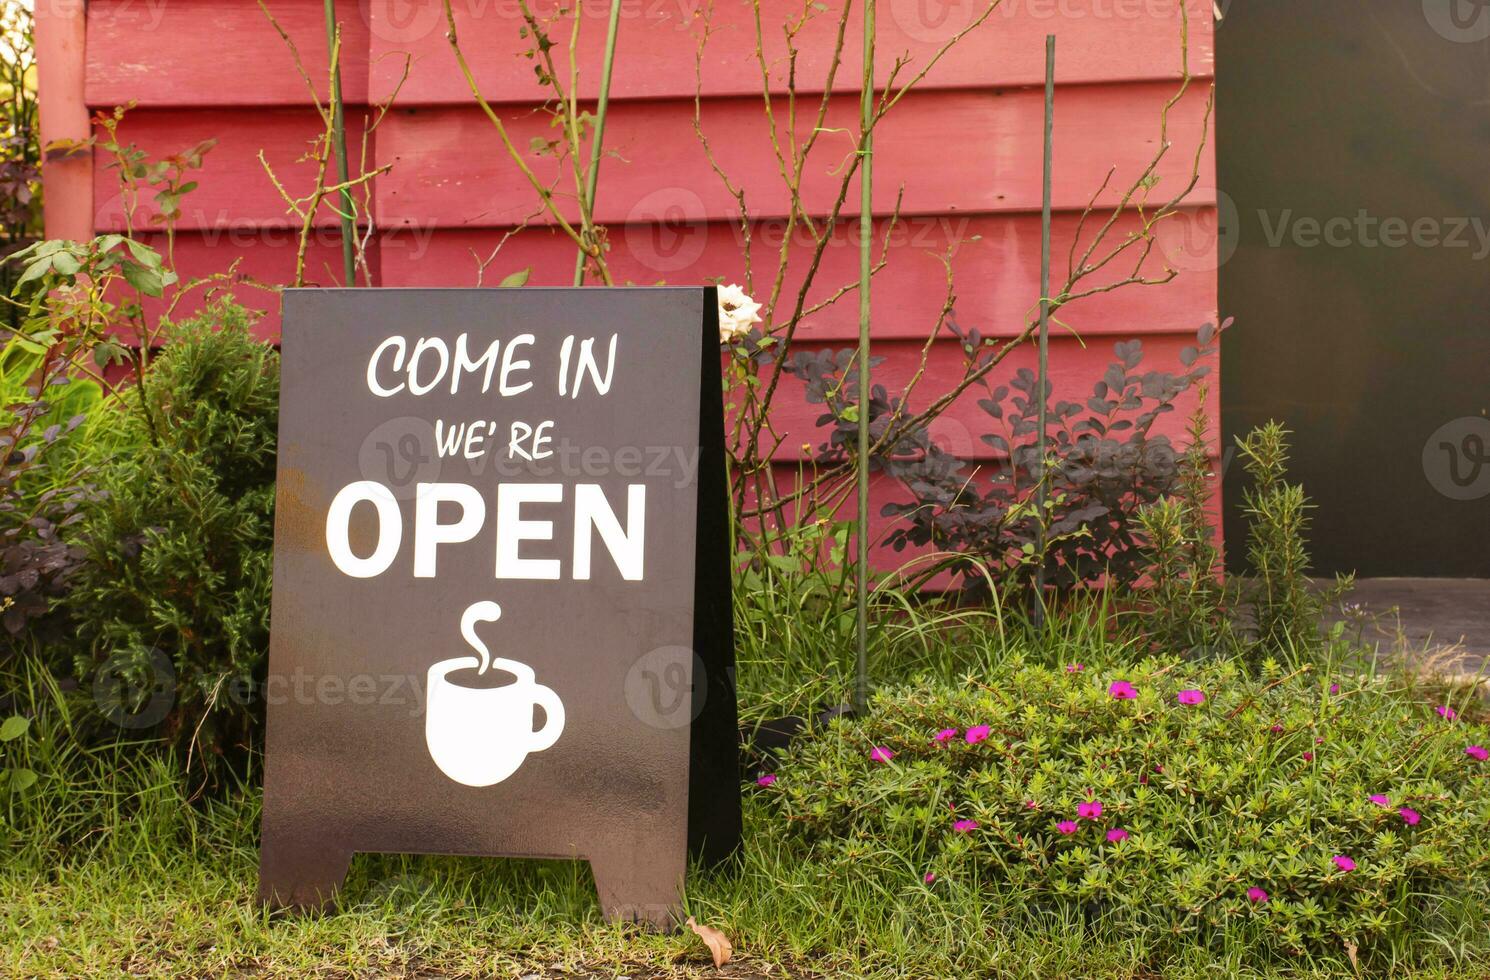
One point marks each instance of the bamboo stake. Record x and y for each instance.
(339, 135)
(866, 235)
(595, 147)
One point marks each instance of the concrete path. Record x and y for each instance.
(1428, 615)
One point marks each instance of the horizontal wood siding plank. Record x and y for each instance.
(657, 49)
(226, 53)
(995, 262)
(1074, 369)
(884, 490)
(235, 194)
(952, 151)
(217, 53)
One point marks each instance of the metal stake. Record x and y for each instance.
(1043, 379)
(339, 136)
(866, 235)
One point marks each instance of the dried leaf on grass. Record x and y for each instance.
(719, 945)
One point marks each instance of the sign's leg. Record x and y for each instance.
(642, 886)
(300, 871)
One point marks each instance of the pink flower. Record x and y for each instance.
(766, 780)
(1117, 834)
(1122, 691)
(1031, 805)
(1276, 729)
(929, 877)
(1409, 815)
(1334, 688)
(1190, 696)
(976, 734)
(1308, 756)
(1075, 668)
(1067, 827)
(1379, 800)
(1477, 752)
(1343, 863)
(1444, 711)
(1090, 810)
(881, 753)
(1256, 895)
(946, 734)
(963, 826)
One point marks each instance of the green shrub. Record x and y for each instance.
(1260, 786)
(1286, 607)
(172, 604)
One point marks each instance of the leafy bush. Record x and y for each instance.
(41, 405)
(172, 604)
(1106, 463)
(1308, 815)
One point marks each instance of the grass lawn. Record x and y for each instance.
(117, 874)
(167, 910)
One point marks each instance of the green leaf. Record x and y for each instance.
(21, 779)
(13, 728)
(144, 254)
(33, 271)
(66, 263)
(147, 281)
(518, 278)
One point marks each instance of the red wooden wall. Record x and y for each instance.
(965, 147)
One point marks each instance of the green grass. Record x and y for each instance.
(112, 871)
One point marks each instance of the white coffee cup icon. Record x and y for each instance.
(479, 730)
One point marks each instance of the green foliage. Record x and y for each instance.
(14, 778)
(1185, 606)
(172, 604)
(1286, 607)
(1262, 785)
(40, 407)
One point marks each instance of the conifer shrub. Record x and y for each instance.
(172, 602)
(1175, 802)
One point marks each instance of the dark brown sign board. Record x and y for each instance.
(501, 618)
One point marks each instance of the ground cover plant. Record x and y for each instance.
(116, 869)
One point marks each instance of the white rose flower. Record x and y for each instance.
(737, 312)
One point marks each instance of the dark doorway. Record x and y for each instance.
(1354, 157)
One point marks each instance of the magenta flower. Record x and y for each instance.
(1117, 834)
(1256, 895)
(1409, 815)
(1379, 800)
(1090, 810)
(1477, 752)
(976, 734)
(1122, 691)
(1276, 729)
(963, 826)
(1334, 688)
(881, 753)
(1075, 668)
(1190, 696)
(929, 877)
(1031, 805)
(1343, 863)
(1308, 756)
(1444, 711)
(946, 734)
(766, 780)
(1067, 827)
